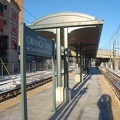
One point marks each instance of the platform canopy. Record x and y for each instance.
(83, 29)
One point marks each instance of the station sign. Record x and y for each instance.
(31, 43)
(36, 44)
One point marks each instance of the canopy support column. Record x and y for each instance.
(85, 58)
(54, 80)
(59, 81)
(77, 48)
(80, 62)
(67, 90)
(66, 54)
(59, 89)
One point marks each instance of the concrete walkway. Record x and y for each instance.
(85, 104)
(88, 103)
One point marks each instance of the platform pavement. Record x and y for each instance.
(88, 103)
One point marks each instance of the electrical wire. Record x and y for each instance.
(18, 17)
(22, 17)
(26, 11)
(112, 39)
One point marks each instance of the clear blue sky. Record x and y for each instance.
(108, 10)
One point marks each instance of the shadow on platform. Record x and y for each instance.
(104, 105)
(65, 109)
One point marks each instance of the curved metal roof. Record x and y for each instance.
(82, 29)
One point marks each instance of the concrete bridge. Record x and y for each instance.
(109, 58)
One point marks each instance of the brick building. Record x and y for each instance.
(9, 29)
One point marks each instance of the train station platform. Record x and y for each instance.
(92, 99)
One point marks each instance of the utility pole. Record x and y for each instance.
(114, 54)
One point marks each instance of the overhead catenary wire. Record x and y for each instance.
(112, 39)
(21, 17)
(26, 12)
(109, 45)
(8, 17)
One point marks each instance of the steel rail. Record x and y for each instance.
(114, 75)
(110, 76)
(17, 90)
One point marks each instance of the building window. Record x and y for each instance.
(5, 22)
(15, 46)
(1, 7)
(1, 25)
(5, 7)
(14, 15)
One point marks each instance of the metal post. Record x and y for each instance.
(114, 56)
(54, 80)
(115, 53)
(40, 66)
(66, 81)
(23, 74)
(13, 66)
(59, 81)
(29, 66)
(35, 67)
(118, 44)
(2, 69)
(80, 62)
(77, 47)
(85, 58)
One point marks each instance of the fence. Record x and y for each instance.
(14, 68)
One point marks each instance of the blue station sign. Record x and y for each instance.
(36, 44)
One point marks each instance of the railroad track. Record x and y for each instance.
(17, 90)
(113, 80)
(10, 93)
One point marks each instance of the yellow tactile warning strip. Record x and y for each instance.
(115, 103)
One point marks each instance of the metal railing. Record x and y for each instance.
(14, 68)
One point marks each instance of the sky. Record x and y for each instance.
(107, 10)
